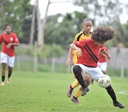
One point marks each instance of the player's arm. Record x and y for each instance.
(106, 49)
(70, 54)
(75, 40)
(78, 50)
(69, 60)
(14, 43)
(0, 39)
(106, 54)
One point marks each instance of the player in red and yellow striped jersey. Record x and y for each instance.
(84, 34)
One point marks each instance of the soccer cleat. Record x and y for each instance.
(2, 83)
(75, 100)
(117, 104)
(69, 92)
(84, 91)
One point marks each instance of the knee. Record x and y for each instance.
(10, 69)
(76, 69)
(87, 79)
(3, 66)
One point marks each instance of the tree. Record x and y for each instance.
(121, 33)
(27, 28)
(101, 11)
(61, 29)
(58, 32)
(14, 12)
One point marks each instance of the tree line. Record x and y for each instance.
(59, 29)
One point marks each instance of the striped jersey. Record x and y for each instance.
(78, 37)
(90, 52)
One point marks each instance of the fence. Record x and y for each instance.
(119, 63)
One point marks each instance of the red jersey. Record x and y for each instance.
(90, 52)
(102, 58)
(5, 39)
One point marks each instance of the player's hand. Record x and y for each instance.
(68, 62)
(9, 45)
(78, 52)
(109, 57)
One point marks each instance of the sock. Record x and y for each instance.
(9, 75)
(111, 93)
(78, 93)
(78, 75)
(3, 78)
(75, 84)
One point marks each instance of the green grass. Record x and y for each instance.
(46, 92)
(29, 66)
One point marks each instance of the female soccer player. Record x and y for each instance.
(84, 34)
(88, 52)
(9, 40)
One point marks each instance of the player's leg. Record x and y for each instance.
(103, 67)
(75, 84)
(3, 73)
(96, 73)
(10, 68)
(78, 93)
(71, 87)
(113, 97)
(87, 81)
(77, 70)
(3, 61)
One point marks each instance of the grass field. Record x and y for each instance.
(46, 92)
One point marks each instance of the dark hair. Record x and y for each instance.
(87, 19)
(102, 33)
(6, 26)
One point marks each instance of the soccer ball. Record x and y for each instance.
(104, 81)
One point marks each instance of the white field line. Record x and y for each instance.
(123, 92)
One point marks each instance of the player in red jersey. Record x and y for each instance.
(8, 40)
(84, 34)
(88, 58)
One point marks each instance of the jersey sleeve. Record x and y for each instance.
(75, 38)
(104, 49)
(16, 39)
(80, 43)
